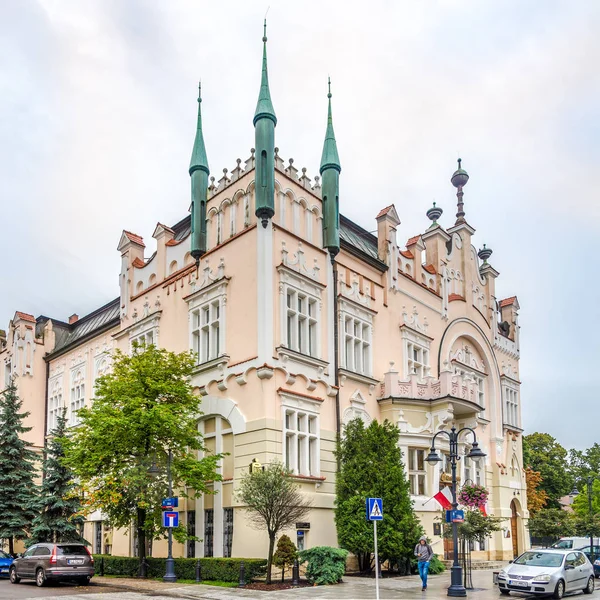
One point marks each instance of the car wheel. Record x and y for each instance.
(559, 591)
(13, 575)
(40, 578)
(505, 592)
(589, 588)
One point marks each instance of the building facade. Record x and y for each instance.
(260, 280)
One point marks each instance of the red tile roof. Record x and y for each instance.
(25, 316)
(138, 263)
(164, 227)
(430, 269)
(384, 211)
(452, 297)
(173, 242)
(508, 301)
(135, 238)
(413, 240)
(407, 254)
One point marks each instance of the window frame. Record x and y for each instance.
(350, 313)
(415, 474)
(55, 401)
(411, 340)
(77, 393)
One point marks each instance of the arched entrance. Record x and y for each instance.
(514, 528)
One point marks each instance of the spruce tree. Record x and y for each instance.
(285, 555)
(371, 466)
(17, 470)
(59, 518)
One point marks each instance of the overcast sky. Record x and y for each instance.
(97, 118)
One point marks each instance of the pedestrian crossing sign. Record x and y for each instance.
(374, 509)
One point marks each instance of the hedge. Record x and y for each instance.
(211, 569)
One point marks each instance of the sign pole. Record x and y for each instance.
(376, 561)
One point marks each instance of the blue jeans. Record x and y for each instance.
(423, 570)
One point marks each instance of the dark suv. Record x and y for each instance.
(53, 562)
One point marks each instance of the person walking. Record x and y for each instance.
(424, 554)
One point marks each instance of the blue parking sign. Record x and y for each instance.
(170, 518)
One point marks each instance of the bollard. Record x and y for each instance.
(101, 569)
(198, 578)
(242, 582)
(143, 570)
(296, 573)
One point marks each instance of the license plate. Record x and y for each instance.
(75, 561)
(519, 583)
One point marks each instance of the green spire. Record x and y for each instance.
(199, 181)
(264, 106)
(199, 160)
(330, 188)
(330, 158)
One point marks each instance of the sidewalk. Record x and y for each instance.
(353, 588)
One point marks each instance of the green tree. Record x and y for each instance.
(545, 455)
(18, 468)
(60, 518)
(273, 502)
(142, 409)
(583, 463)
(371, 466)
(551, 524)
(285, 555)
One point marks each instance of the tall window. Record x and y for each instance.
(357, 345)
(511, 404)
(417, 359)
(477, 378)
(301, 322)
(227, 532)
(416, 471)
(473, 471)
(77, 395)
(206, 330)
(145, 339)
(209, 514)
(55, 404)
(191, 529)
(301, 434)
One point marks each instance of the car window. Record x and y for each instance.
(71, 549)
(30, 552)
(540, 559)
(581, 559)
(42, 551)
(571, 558)
(563, 544)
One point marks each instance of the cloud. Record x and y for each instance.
(99, 101)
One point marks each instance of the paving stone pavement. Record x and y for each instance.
(404, 588)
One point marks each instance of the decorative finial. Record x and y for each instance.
(433, 214)
(199, 91)
(329, 86)
(484, 254)
(265, 32)
(459, 179)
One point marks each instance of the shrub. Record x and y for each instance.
(285, 555)
(212, 569)
(436, 566)
(326, 565)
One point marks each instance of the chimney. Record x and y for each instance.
(73, 318)
(387, 221)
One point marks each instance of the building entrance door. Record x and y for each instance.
(514, 530)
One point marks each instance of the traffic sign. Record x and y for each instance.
(374, 509)
(170, 518)
(170, 503)
(455, 516)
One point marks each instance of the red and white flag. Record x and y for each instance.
(444, 497)
(483, 511)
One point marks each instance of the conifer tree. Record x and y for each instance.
(17, 470)
(371, 466)
(285, 555)
(59, 518)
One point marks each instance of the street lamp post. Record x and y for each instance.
(575, 492)
(170, 563)
(456, 588)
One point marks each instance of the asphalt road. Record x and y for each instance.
(28, 589)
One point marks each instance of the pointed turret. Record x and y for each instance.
(199, 173)
(264, 133)
(330, 172)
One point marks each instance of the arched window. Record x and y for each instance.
(77, 394)
(55, 404)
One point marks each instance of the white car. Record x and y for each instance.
(548, 572)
